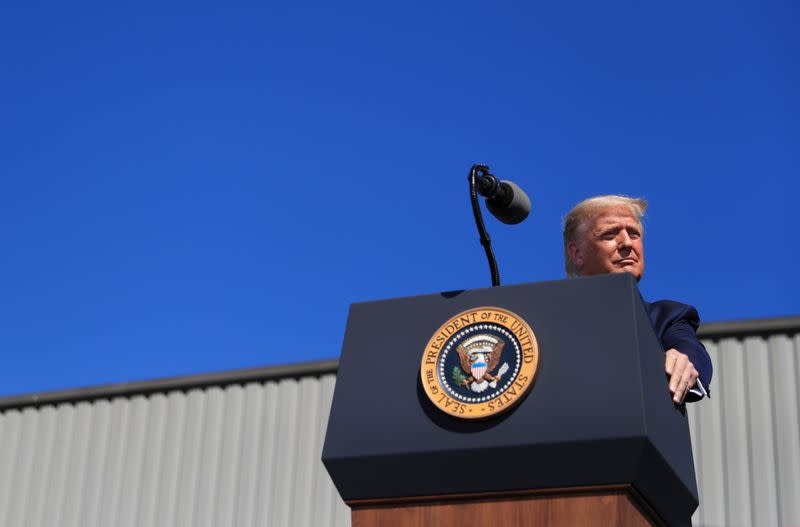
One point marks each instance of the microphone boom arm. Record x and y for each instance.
(486, 242)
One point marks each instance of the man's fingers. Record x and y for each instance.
(681, 372)
(686, 381)
(677, 373)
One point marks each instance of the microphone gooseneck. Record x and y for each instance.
(504, 199)
(486, 242)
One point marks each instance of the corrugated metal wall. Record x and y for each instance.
(746, 438)
(240, 455)
(248, 455)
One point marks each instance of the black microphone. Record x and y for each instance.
(504, 199)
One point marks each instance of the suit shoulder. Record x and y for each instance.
(673, 311)
(671, 305)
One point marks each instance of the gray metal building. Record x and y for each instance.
(243, 448)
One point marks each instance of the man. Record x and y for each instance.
(604, 235)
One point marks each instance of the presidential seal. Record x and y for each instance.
(480, 363)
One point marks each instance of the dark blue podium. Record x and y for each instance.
(598, 432)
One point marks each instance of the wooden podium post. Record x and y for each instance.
(617, 505)
(597, 440)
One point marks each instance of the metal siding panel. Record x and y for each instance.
(306, 455)
(43, 453)
(173, 444)
(285, 447)
(250, 454)
(22, 471)
(735, 437)
(77, 469)
(133, 462)
(786, 398)
(10, 437)
(229, 456)
(760, 428)
(55, 485)
(266, 480)
(112, 476)
(191, 458)
(153, 449)
(90, 504)
(209, 464)
(709, 454)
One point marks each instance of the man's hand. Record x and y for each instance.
(682, 374)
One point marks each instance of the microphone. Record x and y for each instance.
(504, 199)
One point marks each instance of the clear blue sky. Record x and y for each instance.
(193, 188)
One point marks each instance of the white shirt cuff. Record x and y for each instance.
(699, 389)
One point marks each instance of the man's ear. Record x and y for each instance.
(575, 255)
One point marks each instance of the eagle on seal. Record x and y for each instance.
(479, 356)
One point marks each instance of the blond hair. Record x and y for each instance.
(576, 220)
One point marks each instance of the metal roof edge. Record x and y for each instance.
(167, 384)
(758, 327)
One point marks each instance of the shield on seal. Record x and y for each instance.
(478, 368)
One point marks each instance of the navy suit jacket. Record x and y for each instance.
(676, 325)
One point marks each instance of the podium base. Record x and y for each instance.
(618, 505)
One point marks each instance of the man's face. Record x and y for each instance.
(611, 243)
